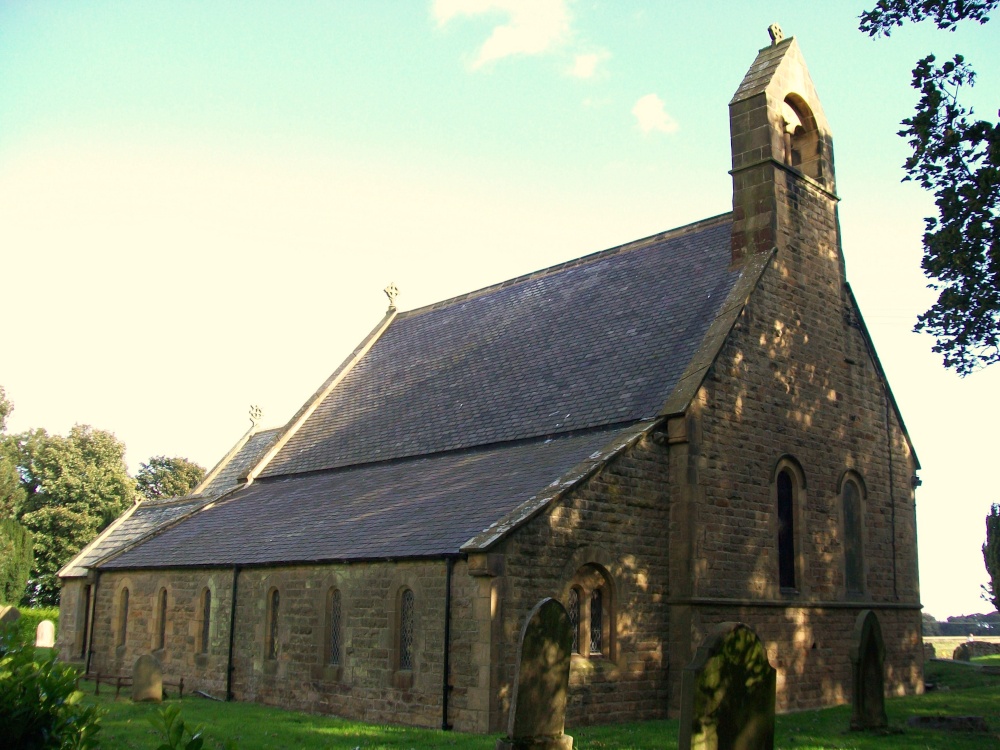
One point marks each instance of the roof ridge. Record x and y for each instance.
(575, 262)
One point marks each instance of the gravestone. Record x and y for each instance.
(538, 706)
(147, 679)
(45, 634)
(868, 674)
(9, 614)
(728, 693)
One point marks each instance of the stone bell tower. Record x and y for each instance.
(782, 155)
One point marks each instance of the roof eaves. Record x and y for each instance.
(717, 334)
(303, 414)
(531, 507)
(881, 371)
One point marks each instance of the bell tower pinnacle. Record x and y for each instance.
(781, 145)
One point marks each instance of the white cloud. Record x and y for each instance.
(585, 65)
(533, 26)
(652, 116)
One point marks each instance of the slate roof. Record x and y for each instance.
(465, 414)
(144, 518)
(597, 341)
(427, 506)
(245, 459)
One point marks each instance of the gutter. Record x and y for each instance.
(446, 687)
(232, 633)
(93, 614)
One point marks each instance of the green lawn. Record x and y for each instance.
(960, 691)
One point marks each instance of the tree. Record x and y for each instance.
(991, 556)
(16, 558)
(11, 493)
(75, 486)
(957, 157)
(167, 477)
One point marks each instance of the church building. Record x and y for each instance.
(688, 429)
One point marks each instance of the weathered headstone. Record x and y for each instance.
(728, 693)
(538, 706)
(45, 634)
(147, 679)
(9, 614)
(868, 674)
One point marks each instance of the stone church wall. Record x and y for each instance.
(368, 683)
(796, 383)
(616, 522)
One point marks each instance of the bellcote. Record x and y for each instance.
(778, 133)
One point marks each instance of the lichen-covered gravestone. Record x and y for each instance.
(868, 674)
(728, 692)
(9, 614)
(538, 706)
(147, 679)
(45, 634)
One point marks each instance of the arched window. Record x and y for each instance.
(206, 620)
(590, 606)
(333, 625)
(406, 618)
(273, 603)
(86, 621)
(786, 529)
(122, 616)
(854, 569)
(801, 136)
(161, 620)
(573, 610)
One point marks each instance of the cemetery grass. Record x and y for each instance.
(960, 691)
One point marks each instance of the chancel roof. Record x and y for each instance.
(462, 416)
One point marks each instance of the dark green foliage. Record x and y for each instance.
(16, 559)
(888, 14)
(76, 485)
(930, 625)
(11, 492)
(39, 704)
(167, 477)
(956, 156)
(991, 556)
(27, 624)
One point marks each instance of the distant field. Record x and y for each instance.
(945, 645)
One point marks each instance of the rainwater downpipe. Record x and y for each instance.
(93, 613)
(232, 634)
(446, 688)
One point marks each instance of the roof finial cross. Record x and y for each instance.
(392, 291)
(774, 31)
(255, 415)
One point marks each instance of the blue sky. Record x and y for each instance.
(201, 202)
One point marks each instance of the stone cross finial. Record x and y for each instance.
(774, 31)
(255, 414)
(391, 291)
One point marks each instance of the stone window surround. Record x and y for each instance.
(588, 577)
(403, 678)
(324, 670)
(161, 604)
(204, 644)
(121, 630)
(791, 466)
(852, 477)
(272, 624)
